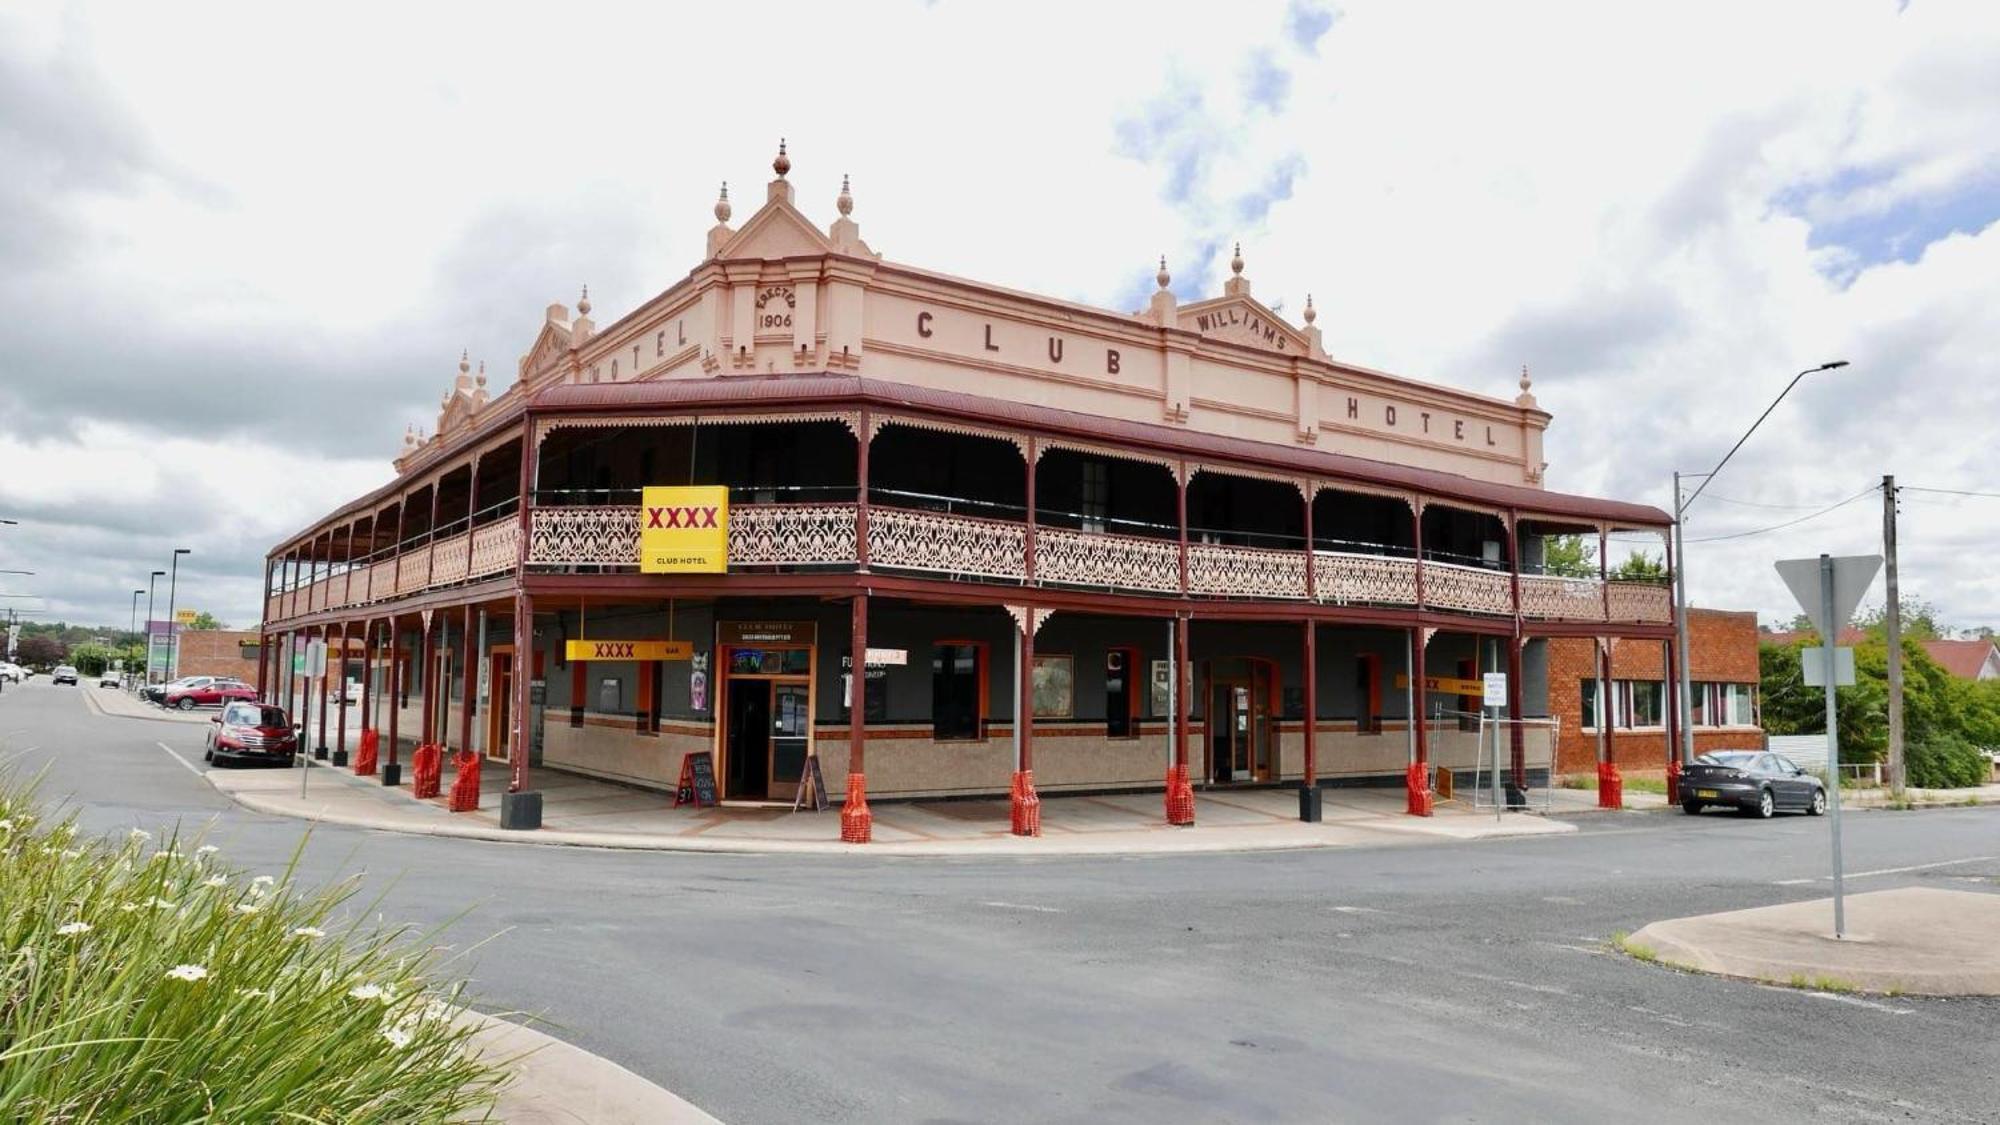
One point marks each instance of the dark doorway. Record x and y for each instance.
(749, 738)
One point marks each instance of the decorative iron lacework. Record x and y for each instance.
(412, 569)
(494, 547)
(791, 534)
(1196, 468)
(1124, 562)
(452, 560)
(931, 541)
(1409, 499)
(1561, 599)
(1467, 588)
(849, 418)
(1246, 572)
(876, 422)
(1170, 464)
(591, 535)
(1349, 579)
(1640, 601)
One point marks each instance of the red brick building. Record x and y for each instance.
(219, 652)
(1722, 674)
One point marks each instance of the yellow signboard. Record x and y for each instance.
(628, 650)
(186, 616)
(684, 530)
(1445, 685)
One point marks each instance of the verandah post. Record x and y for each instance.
(1180, 791)
(1309, 794)
(857, 824)
(520, 806)
(392, 770)
(339, 666)
(1418, 782)
(1025, 807)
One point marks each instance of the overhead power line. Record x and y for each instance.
(1789, 523)
(1948, 491)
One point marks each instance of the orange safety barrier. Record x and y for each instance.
(1180, 796)
(1610, 786)
(857, 824)
(426, 770)
(368, 754)
(1674, 779)
(1417, 780)
(1026, 807)
(465, 783)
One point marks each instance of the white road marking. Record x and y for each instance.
(1862, 1003)
(1887, 871)
(1023, 906)
(183, 761)
(1358, 910)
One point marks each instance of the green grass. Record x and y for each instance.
(1623, 942)
(1632, 784)
(143, 982)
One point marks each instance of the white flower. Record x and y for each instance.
(262, 881)
(189, 973)
(247, 908)
(127, 907)
(397, 1037)
(139, 834)
(6, 826)
(69, 928)
(312, 932)
(367, 992)
(216, 881)
(205, 850)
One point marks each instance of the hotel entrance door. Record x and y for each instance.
(769, 721)
(1239, 721)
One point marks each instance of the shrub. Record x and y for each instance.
(157, 984)
(1944, 761)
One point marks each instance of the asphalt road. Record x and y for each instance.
(1456, 982)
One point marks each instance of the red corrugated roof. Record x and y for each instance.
(831, 390)
(1962, 659)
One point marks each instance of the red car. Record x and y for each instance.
(211, 694)
(247, 732)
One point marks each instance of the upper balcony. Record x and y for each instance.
(965, 504)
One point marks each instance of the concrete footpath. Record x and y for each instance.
(1921, 940)
(556, 1083)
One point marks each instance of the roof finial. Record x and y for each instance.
(482, 374)
(583, 302)
(1312, 314)
(783, 163)
(1163, 277)
(1236, 263)
(1524, 378)
(464, 360)
(846, 201)
(722, 209)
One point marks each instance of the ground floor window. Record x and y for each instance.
(1054, 687)
(958, 681)
(1641, 703)
(1721, 705)
(1590, 692)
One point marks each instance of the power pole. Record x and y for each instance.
(1892, 624)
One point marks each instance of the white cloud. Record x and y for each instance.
(1625, 199)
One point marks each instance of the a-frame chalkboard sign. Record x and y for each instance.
(812, 787)
(697, 785)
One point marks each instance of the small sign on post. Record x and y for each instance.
(1495, 689)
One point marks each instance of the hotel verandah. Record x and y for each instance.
(984, 488)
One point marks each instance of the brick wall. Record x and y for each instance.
(1723, 646)
(219, 652)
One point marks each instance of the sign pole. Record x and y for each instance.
(1829, 634)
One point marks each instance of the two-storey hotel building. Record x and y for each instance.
(1064, 548)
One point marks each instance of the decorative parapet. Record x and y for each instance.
(899, 538)
(1342, 578)
(1245, 572)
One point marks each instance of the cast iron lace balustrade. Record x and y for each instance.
(494, 547)
(585, 535)
(1467, 588)
(415, 565)
(1122, 562)
(792, 534)
(1555, 598)
(1245, 572)
(1349, 579)
(931, 541)
(452, 560)
(1644, 602)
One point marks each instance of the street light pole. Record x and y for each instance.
(134, 629)
(173, 637)
(1685, 705)
(150, 583)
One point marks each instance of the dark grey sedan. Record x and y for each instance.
(1751, 781)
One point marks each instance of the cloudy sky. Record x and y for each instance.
(241, 249)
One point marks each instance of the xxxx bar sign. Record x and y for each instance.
(684, 530)
(628, 650)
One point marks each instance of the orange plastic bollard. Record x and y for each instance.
(857, 824)
(1610, 786)
(1027, 806)
(1180, 797)
(1417, 781)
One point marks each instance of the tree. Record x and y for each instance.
(1641, 567)
(1568, 556)
(1920, 618)
(204, 621)
(42, 651)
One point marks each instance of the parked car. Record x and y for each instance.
(210, 694)
(109, 678)
(157, 693)
(11, 671)
(251, 732)
(1752, 781)
(64, 674)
